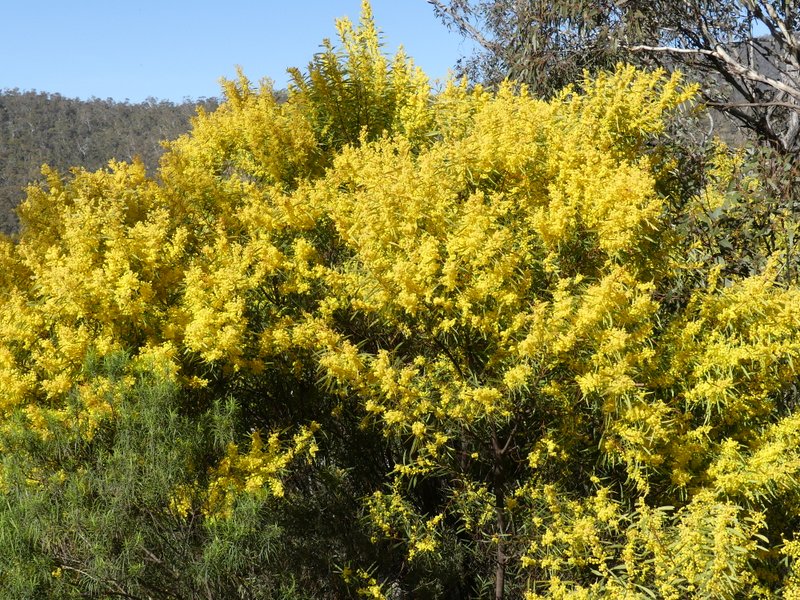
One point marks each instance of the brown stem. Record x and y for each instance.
(499, 504)
(500, 569)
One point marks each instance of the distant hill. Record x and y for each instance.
(37, 128)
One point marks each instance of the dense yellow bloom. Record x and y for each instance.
(482, 279)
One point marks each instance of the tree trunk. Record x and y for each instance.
(499, 503)
(500, 569)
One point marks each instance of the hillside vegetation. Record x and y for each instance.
(38, 128)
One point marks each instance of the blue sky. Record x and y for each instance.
(176, 49)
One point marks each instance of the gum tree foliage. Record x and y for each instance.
(745, 53)
(377, 341)
(546, 45)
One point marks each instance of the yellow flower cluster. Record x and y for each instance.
(213, 270)
(257, 471)
(366, 585)
(395, 518)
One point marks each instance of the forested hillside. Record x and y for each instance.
(38, 128)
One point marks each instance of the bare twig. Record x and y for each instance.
(734, 65)
(791, 105)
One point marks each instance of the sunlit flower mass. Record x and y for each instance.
(496, 291)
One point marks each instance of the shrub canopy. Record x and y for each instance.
(379, 340)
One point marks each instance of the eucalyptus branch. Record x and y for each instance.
(720, 54)
(465, 26)
(754, 105)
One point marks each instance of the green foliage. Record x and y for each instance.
(98, 518)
